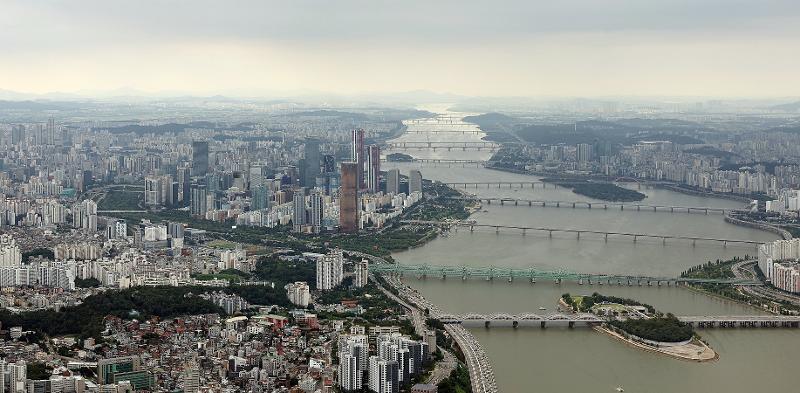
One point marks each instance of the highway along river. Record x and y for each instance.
(581, 360)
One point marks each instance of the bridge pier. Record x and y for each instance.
(530, 203)
(523, 231)
(663, 241)
(543, 324)
(672, 210)
(621, 207)
(558, 204)
(654, 208)
(496, 230)
(638, 208)
(551, 234)
(579, 235)
(635, 238)
(606, 235)
(605, 207)
(706, 211)
(573, 205)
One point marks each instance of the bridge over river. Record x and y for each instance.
(533, 274)
(597, 205)
(588, 320)
(578, 232)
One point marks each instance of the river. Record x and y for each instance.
(581, 360)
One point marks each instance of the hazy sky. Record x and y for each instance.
(492, 48)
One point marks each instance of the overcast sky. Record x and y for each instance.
(488, 48)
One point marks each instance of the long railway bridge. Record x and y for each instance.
(454, 145)
(578, 232)
(597, 205)
(533, 274)
(441, 161)
(588, 320)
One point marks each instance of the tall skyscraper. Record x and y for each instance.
(348, 198)
(17, 134)
(373, 173)
(261, 196)
(199, 200)
(393, 181)
(414, 181)
(199, 158)
(299, 218)
(311, 163)
(358, 155)
(316, 206)
(184, 182)
(257, 175)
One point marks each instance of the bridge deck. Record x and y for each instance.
(577, 231)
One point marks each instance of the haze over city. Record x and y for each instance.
(713, 48)
(399, 196)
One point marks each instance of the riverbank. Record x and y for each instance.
(786, 235)
(707, 194)
(693, 351)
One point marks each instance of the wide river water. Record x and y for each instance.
(582, 360)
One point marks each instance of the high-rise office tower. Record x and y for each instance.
(299, 205)
(414, 181)
(258, 176)
(199, 158)
(348, 198)
(316, 211)
(358, 155)
(373, 173)
(17, 134)
(393, 181)
(261, 196)
(199, 199)
(311, 163)
(184, 181)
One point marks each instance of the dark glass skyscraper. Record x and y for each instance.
(199, 158)
(311, 169)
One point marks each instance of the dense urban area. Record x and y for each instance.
(227, 248)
